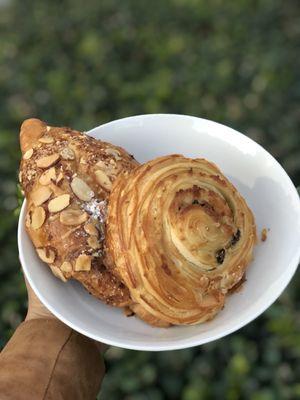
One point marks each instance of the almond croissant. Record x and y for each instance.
(67, 177)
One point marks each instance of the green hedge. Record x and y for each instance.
(84, 63)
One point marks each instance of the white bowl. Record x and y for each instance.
(260, 179)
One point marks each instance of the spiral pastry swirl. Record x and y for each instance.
(180, 237)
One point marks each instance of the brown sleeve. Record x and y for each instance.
(46, 360)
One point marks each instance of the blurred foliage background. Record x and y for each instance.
(82, 63)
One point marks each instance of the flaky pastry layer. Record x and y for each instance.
(180, 236)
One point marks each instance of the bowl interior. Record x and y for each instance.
(260, 179)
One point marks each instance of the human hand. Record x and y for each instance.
(36, 308)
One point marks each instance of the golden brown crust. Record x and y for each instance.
(31, 130)
(180, 237)
(67, 177)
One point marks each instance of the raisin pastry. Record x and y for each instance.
(67, 177)
(180, 237)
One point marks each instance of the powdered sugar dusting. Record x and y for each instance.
(96, 209)
(98, 253)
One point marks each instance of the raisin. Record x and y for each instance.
(220, 255)
(195, 202)
(235, 238)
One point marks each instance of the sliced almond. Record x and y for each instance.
(20, 177)
(91, 229)
(67, 154)
(47, 176)
(57, 272)
(38, 217)
(28, 154)
(56, 189)
(60, 177)
(69, 232)
(93, 242)
(40, 195)
(47, 161)
(53, 217)
(83, 161)
(103, 179)
(101, 164)
(59, 203)
(81, 189)
(113, 152)
(66, 266)
(46, 255)
(83, 263)
(28, 219)
(48, 128)
(73, 217)
(46, 139)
